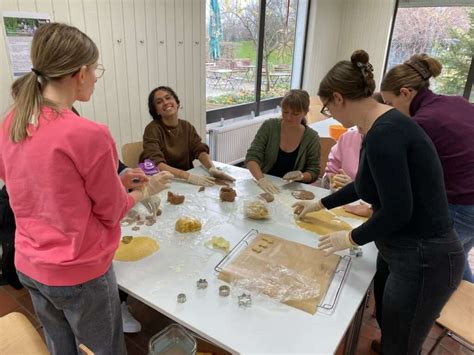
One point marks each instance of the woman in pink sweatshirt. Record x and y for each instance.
(61, 174)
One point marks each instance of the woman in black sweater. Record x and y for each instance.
(420, 260)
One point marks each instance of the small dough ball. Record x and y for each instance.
(175, 199)
(187, 224)
(256, 210)
(267, 197)
(227, 194)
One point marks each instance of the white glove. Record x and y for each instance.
(267, 186)
(157, 183)
(152, 204)
(200, 180)
(218, 173)
(301, 208)
(333, 242)
(137, 210)
(340, 180)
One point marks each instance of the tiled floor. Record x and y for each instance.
(12, 300)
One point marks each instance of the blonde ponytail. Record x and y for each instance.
(28, 101)
(57, 50)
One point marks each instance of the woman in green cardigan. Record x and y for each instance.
(285, 145)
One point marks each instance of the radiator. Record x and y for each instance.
(229, 143)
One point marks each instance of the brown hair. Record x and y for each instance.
(57, 50)
(297, 100)
(414, 74)
(377, 96)
(353, 79)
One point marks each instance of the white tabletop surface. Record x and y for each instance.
(266, 327)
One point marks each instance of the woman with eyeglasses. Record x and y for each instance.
(401, 176)
(449, 122)
(285, 145)
(173, 144)
(61, 173)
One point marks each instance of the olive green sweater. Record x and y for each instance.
(266, 144)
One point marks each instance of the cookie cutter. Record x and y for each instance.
(201, 284)
(245, 300)
(181, 298)
(224, 291)
(356, 251)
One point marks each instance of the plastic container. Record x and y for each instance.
(336, 130)
(173, 340)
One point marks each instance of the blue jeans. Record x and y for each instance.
(88, 313)
(463, 217)
(414, 280)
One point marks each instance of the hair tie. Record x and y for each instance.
(36, 71)
(365, 68)
(417, 66)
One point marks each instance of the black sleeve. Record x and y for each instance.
(345, 195)
(121, 167)
(387, 152)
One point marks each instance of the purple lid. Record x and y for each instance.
(148, 167)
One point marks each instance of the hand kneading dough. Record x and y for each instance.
(187, 225)
(135, 248)
(322, 222)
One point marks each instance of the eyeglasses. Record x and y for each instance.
(325, 111)
(99, 71)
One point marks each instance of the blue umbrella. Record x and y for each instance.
(215, 30)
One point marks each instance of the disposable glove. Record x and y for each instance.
(156, 184)
(336, 241)
(293, 176)
(340, 180)
(301, 208)
(219, 174)
(267, 186)
(152, 204)
(200, 180)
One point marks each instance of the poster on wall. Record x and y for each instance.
(19, 30)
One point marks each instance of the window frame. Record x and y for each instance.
(415, 3)
(260, 105)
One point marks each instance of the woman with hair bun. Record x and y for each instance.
(449, 122)
(420, 260)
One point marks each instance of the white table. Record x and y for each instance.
(266, 327)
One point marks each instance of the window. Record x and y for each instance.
(251, 54)
(445, 33)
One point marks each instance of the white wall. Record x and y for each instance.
(143, 44)
(338, 27)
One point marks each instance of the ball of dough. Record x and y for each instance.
(256, 210)
(187, 225)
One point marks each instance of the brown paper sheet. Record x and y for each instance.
(284, 265)
(322, 222)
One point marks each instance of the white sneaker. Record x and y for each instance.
(130, 324)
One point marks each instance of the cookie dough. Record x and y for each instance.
(322, 222)
(256, 210)
(187, 224)
(340, 212)
(292, 175)
(218, 243)
(303, 195)
(175, 199)
(267, 197)
(135, 248)
(227, 194)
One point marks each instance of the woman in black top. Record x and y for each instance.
(420, 259)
